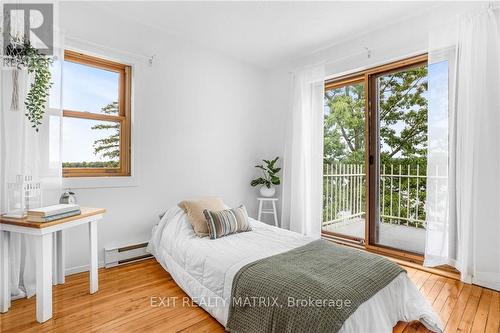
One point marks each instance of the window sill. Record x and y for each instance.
(99, 182)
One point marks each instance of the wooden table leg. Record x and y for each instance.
(4, 271)
(43, 277)
(94, 280)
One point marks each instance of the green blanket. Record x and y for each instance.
(313, 288)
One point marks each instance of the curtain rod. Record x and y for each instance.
(150, 58)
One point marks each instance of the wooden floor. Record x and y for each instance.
(126, 294)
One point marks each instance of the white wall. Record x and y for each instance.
(200, 123)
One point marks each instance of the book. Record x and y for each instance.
(41, 219)
(14, 216)
(53, 210)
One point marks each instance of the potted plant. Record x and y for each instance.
(269, 178)
(23, 56)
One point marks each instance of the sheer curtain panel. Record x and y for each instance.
(464, 221)
(303, 159)
(27, 153)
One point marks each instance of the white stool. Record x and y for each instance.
(272, 210)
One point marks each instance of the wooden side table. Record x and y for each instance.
(271, 210)
(44, 234)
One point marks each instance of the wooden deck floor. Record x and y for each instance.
(123, 304)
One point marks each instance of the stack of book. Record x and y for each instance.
(52, 213)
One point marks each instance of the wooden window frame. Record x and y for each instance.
(123, 117)
(371, 157)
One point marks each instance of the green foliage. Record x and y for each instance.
(402, 101)
(107, 164)
(25, 56)
(344, 125)
(269, 172)
(108, 147)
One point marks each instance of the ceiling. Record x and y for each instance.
(266, 33)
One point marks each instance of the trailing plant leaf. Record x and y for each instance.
(25, 57)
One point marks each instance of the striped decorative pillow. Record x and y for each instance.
(226, 222)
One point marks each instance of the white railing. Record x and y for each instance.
(406, 190)
(343, 192)
(402, 194)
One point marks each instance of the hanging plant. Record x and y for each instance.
(25, 57)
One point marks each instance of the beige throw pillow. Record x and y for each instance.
(194, 210)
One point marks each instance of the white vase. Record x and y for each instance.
(267, 192)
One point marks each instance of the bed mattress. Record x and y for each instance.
(205, 269)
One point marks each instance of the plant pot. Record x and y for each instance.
(267, 192)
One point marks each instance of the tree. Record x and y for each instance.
(402, 112)
(403, 104)
(108, 147)
(344, 124)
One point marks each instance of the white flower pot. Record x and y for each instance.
(267, 192)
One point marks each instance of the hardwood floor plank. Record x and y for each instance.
(451, 289)
(458, 309)
(412, 327)
(124, 304)
(400, 327)
(415, 277)
(204, 326)
(429, 284)
(481, 316)
(470, 310)
(423, 278)
(411, 271)
(493, 323)
(450, 302)
(436, 289)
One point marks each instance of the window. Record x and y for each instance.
(96, 117)
(375, 156)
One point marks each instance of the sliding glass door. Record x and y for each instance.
(344, 188)
(399, 147)
(375, 157)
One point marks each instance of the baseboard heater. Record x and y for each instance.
(125, 255)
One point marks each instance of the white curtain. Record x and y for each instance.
(464, 221)
(23, 151)
(303, 167)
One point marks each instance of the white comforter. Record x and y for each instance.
(205, 269)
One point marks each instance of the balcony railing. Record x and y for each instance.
(343, 192)
(402, 194)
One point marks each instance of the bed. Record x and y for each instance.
(204, 269)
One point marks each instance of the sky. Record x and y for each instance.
(85, 89)
(438, 109)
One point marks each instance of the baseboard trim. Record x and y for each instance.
(80, 269)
